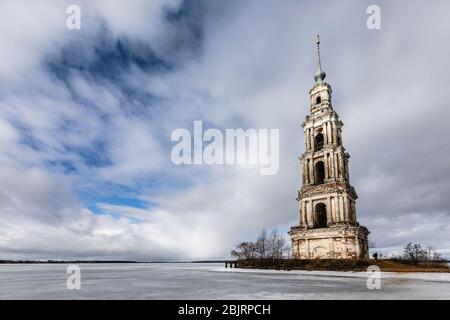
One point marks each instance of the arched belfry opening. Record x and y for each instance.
(318, 100)
(318, 141)
(321, 216)
(320, 172)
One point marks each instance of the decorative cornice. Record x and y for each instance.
(343, 230)
(327, 188)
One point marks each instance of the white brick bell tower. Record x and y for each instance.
(328, 227)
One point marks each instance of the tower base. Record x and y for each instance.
(341, 241)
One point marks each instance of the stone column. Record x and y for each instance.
(311, 171)
(325, 165)
(333, 174)
(308, 134)
(311, 138)
(303, 221)
(305, 134)
(336, 209)
(358, 247)
(335, 133)
(307, 140)
(329, 132)
(305, 169)
(347, 174)
(329, 212)
(327, 158)
(337, 212)
(302, 164)
(310, 215)
(353, 209)
(331, 203)
(341, 165)
(336, 161)
(346, 209)
(324, 132)
(341, 209)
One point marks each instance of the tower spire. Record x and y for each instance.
(320, 74)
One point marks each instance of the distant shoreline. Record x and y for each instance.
(100, 261)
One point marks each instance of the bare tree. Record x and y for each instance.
(273, 244)
(261, 244)
(244, 250)
(284, 246)
(433, 256)
(414, 253)
(277, 245)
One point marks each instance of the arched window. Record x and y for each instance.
(318, 142)
(321, 216)
(318, 99)
(319, 172)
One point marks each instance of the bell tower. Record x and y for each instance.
(327, 202)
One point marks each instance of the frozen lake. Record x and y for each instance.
(210, 281)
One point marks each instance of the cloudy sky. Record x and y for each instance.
(86, 117)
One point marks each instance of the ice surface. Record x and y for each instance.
(211, 281)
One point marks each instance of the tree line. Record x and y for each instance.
(271, 245)
(274, 246)
(417, 254)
